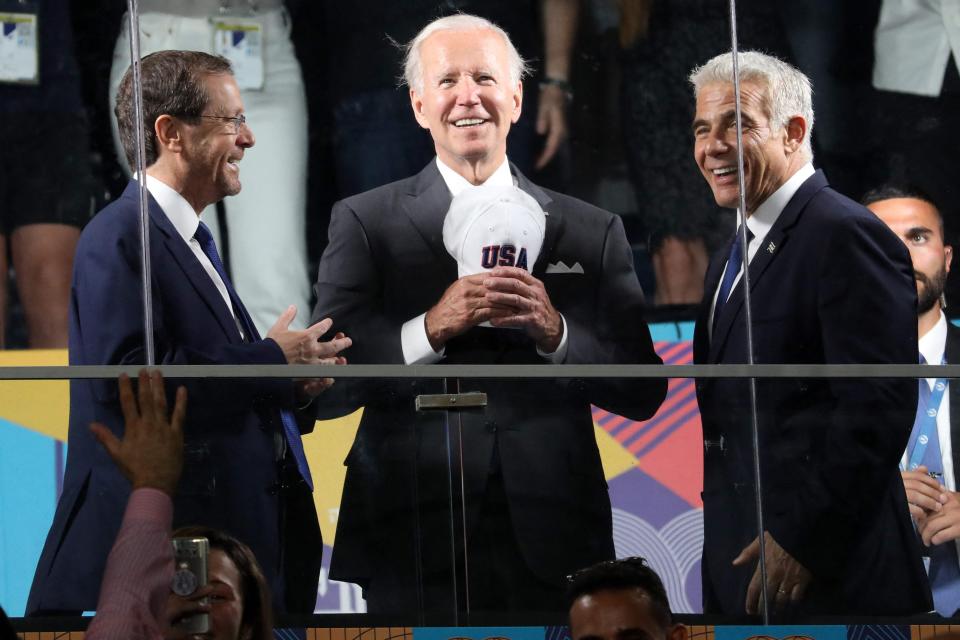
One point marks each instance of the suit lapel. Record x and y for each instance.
(952, 353)
(429, 200)
(701, 335)
(766, 254)
(426, 205)
(554, 221)
(192, 268)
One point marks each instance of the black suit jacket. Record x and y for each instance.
(952, 353)
(830, 284)
(386, 264)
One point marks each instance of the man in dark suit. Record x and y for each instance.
(532, 499)
(244, 470)
(928, 467)
(830, 285)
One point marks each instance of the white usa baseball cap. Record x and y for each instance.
(493, 226)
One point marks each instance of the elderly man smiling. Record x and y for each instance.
(533, 497)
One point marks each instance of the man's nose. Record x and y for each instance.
(717, 143)
(468, 92)
(245, 137)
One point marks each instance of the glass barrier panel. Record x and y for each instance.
(560, 474)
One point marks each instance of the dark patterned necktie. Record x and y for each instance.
(290, 429)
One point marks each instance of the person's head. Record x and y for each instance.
(777, 119)
(465, 81)
(240, 606)
(192, 114)
(914, 217)
(620, 600)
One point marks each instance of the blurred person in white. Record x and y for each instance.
(255, 37)
(136, 601)
(917, 106)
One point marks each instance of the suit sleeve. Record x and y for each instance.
(619, 336)
(867, 312)
(350, 291)
(109, 312)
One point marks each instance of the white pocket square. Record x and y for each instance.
(560, 267)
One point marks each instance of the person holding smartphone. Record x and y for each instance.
(136, 600)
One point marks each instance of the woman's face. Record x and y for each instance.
(224, 595)
(226, 598)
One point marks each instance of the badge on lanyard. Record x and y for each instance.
(19, 59)
(240, 40)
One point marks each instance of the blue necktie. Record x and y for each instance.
(734, 264)
(290, 428)
(944, 569)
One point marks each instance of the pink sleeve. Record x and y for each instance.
(137, 578)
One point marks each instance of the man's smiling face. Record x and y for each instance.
(769, 154)
(468, 100)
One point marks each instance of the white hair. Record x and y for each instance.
(413, 66)
(788, 91)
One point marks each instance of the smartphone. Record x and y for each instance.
(189, 574)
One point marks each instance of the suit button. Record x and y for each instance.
(491, 426)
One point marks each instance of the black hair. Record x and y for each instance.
(891, 191)
(626, 573)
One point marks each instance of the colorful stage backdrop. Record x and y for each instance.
(654, 469)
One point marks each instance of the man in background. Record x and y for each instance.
(928, 468)
(621, 600)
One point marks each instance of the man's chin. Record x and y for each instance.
(231, 188)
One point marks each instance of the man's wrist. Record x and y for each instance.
(158, 484)
(557, 84)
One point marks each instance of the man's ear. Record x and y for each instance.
(796, 133)
(416, 102)
(517, 103)
(947, 257)
(169, 132)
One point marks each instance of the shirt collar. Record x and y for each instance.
(770, 209)
(181, 215)
(456, 183)
(934, 342)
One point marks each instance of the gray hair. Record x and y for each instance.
(788, 91)
(413, 66)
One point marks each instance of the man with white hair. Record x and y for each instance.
(532, 502)
(830, 284)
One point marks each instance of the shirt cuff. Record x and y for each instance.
(558, 356)
(149, 505)
(415, 344)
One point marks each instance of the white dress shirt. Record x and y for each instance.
(913, 43)
(760, 223)
(185, 220)
(413, 335)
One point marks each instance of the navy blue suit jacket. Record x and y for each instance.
(830, 284)
(230, 473)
